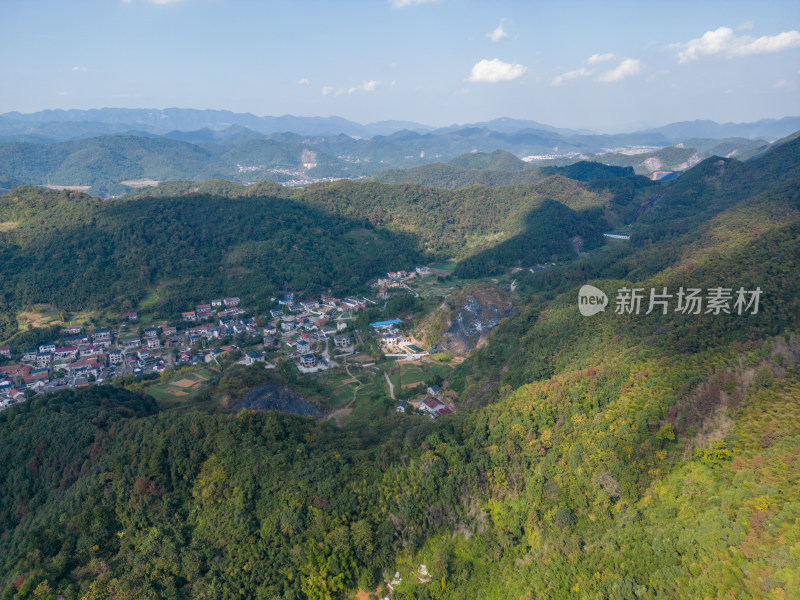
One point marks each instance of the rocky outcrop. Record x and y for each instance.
(272, 396)
(470, 327)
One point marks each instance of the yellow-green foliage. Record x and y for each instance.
(562, 525)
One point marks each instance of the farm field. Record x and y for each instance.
(406, 375)
(179, 387)
(46, 315)
(448, 266)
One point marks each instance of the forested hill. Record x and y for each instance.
(189, 240)
(450, 176)
(622, 455)
(499, 160)
(80, 253)
(111, 160)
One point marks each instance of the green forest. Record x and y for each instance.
(618, 456)
(101, 156)
(81, 253)
(496, 170)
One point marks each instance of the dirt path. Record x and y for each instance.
(355, 391)
(340, 413)
(391, 385)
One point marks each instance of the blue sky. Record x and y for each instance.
(607, 66)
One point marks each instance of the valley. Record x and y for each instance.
(399, 300)
(345, 382)
(112, 157)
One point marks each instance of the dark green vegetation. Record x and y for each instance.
(81, 253)
(615, 457)
(451, 176)
(499, 160)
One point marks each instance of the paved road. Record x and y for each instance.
(327, 356)
(416, 295)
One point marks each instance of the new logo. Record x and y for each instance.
(591, 300)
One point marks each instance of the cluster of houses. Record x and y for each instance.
(206, 311)
(299, 324)
(420, 271)
(79, 358)
(431, 405)
(299, 328)
(396, 279)
(393, 342)
(75, 356)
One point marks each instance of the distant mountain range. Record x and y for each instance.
(61, 125)
(102, 148)
(56, 124)
(767, 129)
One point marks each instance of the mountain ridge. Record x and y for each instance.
(161, 121)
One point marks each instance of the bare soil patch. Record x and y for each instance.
(138, 183)
(339, 415)
(69, 188)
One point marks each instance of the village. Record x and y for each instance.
(313, 335)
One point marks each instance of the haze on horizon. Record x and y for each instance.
(603, 66)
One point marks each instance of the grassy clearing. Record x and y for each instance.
(40, 315)
(448, 266)
(433, 288)
(366, 391)
(410, 378)
(47, 315)
(179, 387)
(149, 300)
(440, 370)
(342, 395)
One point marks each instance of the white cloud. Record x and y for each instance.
(492, 71)
(746, 25)
(598, 58)
(497, 34)
(570, 75)
(781, 83)
(723, 42)
(404, 3)
(628, 67)
(302, 81)
(80, 68)
(367, 86)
